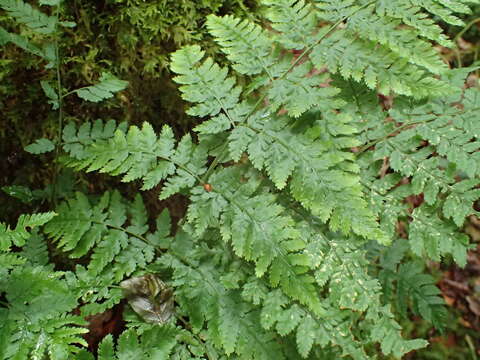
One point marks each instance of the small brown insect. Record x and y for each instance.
(207, 187)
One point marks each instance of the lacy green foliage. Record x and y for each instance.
(374, 28)
(267, 138)
(112, 231)
(17, 236)
(138, 154)
(155, 343)
(294, 174)
(409, 287)
(30, 325)
(40, 25)
(40, 146)
(436, 151)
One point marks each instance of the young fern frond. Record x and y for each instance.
(208, 84)
(426, 297)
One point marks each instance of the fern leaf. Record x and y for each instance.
(404, 43)
(40, 146)
(221, 308)
(95, 291)
(325, 184)
(51, 94)
(352, 59)
(21, 232)
(244, 43)
(421, 288)
(24, 13)
(75, 141)
(83, 227)
(35, 250)
(434, 237)
(387, 332)
(108, 85)
(411, 14)
(257, 229)
(40, 327)
(296, 100)
(295, 20)
(21, 42)
(140, 154)
(205, 83)
(155, 343)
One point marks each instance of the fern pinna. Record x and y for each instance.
(296, 178)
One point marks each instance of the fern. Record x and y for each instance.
(107, 86)
(410, 286)
(18, 236)
(156, 343)
(31, 326)
(297, 179)
(24, 13)
(139, 154)
(102, 229)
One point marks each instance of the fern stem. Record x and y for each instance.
(295, 63)
(60, 106)
(140, 237)
(459, 35)
(383, 138)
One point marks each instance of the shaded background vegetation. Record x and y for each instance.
(133, 39)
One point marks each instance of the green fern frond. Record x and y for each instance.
(403, 42)
(386, 71)
(320, 168)
(245, 44)
(95, 291)
(257, 229)
(76, 140)
(21, 42)
(24, 13)
(411, 14)
(35, 250)
(82, 227)
(295, 20)
(108, 85)
(425, 295)
(386, 331)
(40, 146)
(205, 83)
(295, 100)
(435, 237)
(155, 343)
(39, 327)
(139, 154)
(20, 234)
(377, 28)
(232, 324)
(453, 131)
